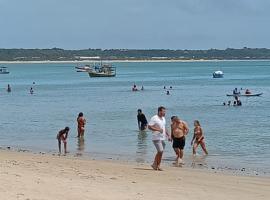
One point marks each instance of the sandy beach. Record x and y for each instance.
(123, 61)
(43, 177)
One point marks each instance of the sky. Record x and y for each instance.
(135, 24)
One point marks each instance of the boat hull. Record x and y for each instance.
(244, 95)
(101, 75)
(217, 75)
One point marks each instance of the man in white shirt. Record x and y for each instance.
(157, 125)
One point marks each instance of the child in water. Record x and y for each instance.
(199, 138)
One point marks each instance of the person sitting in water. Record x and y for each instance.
(142, 88)
(239, 103)
(134, 88)
(247, 91)
(62, 136)
(234, 103)
(235, 91)
(31, 91)
(229, 103)
(142, 121)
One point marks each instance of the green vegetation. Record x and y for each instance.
(56, 54)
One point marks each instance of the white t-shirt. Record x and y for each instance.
(159, 123)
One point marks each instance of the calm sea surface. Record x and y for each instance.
(237, 137)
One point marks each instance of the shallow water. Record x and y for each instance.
(237, 137)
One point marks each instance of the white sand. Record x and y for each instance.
(30, 176)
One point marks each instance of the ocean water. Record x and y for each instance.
(236, 137)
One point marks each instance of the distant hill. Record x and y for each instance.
(56, 54)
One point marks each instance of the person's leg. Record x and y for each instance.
(182, 146)
(78, 129)
(162, 147)
(204, 147)
(159, 159)
(65, 147)
(155, 163)
(195, 146)
(82, 131)
(59, 146)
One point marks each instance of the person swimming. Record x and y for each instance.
(168, 92)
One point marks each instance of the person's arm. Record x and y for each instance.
(193, 138)
(171, 131)
(186, 128)
(66, 135)
(138, 122)
(155, 128)
(168, 134)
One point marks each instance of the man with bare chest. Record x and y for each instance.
(179, 129)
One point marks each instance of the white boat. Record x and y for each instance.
(85, 68)
(4, 70)
(218, 74)
(244, 95)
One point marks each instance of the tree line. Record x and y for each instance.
(57, 54)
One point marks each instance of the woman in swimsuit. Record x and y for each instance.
(199, 138)
(81, 123)
(62, 136)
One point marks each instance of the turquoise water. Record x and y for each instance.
(237, 137)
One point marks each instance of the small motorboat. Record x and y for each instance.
(85, 68)
(245, 95)
(218, 74)
(4, 70)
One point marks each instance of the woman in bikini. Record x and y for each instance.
(81, 123)
(199, 138)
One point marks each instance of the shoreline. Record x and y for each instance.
(123, 61)
(197, 163)
(30, 176)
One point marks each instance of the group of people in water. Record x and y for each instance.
(135, 89)
(31, 91)
(63, 134)
(177, 135)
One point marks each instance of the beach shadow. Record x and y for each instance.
(144, 169)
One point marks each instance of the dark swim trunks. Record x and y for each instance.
(179, 143)
(143, 127)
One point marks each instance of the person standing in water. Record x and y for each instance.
(199, 138)
(157, 125)
(8, 88)
(62, 136)
(142, 121)
(81, 125)
(179, 131)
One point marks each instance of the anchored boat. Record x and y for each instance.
(4, 70)
(102, 70)
(218, 74)
(245, 95)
